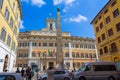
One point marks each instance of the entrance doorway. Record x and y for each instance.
(5, 63)
(51, 64)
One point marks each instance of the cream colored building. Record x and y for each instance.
(10, 17)
(34, 45)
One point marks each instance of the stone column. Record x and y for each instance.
(59, 54)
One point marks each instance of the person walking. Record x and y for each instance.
(17, 71)
(28, 73)
(23, 73)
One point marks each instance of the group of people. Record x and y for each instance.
(28, 73)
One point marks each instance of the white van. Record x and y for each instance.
(97, 71)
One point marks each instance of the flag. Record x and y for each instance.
(48, 51)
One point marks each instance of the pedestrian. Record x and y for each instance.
(32, 72)
(28, 73)
(17, 71)
(22, 72)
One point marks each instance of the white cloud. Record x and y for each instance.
(21, 25)
(66, 2)
(38, 3)
(76, 19)
(27, 1)
(57, 2)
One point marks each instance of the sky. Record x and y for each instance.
(76, 15)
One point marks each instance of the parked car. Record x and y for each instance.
(58, 75)
(10, 76)
(97, 71)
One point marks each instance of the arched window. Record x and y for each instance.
(3, 34)
(77, 55)
(67, 54)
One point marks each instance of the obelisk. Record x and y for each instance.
(59, 54)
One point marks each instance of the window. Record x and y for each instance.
(103, 36)
(7, 13)
(101, 25)
(39, 44)
(96, 22)
(90, 55)
(20, 55)
(67, 54)
(1, 3)
(21, 44)
(50, 26)
(110, 32)
(11, 22)
(107, 19)
(99, 40)
(94, 55)
(45, 44)
(106, 11)
(9, 40)
(105, 49)
(73, 54)
(97, 29)
(27, 44)
(66, 45)
(25, 65)
(77, 55)
(19, 65)
(72, 45)
(55, 44)
(104, 68)
(88, 68)
(85, 46)
(15, 30)
(33, 44)
(118, 27)
(3, 35)
(51, 55)
(50, 44)
(33, 54)
(76, 45)
(116, 12)
(101, 52)
(81, 46)
(113, 3)
(82, 55)
(99, 17)
(113, 47)
(86, 55)
(26, 55)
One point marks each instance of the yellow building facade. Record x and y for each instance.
(107, 31)
(10, 17)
